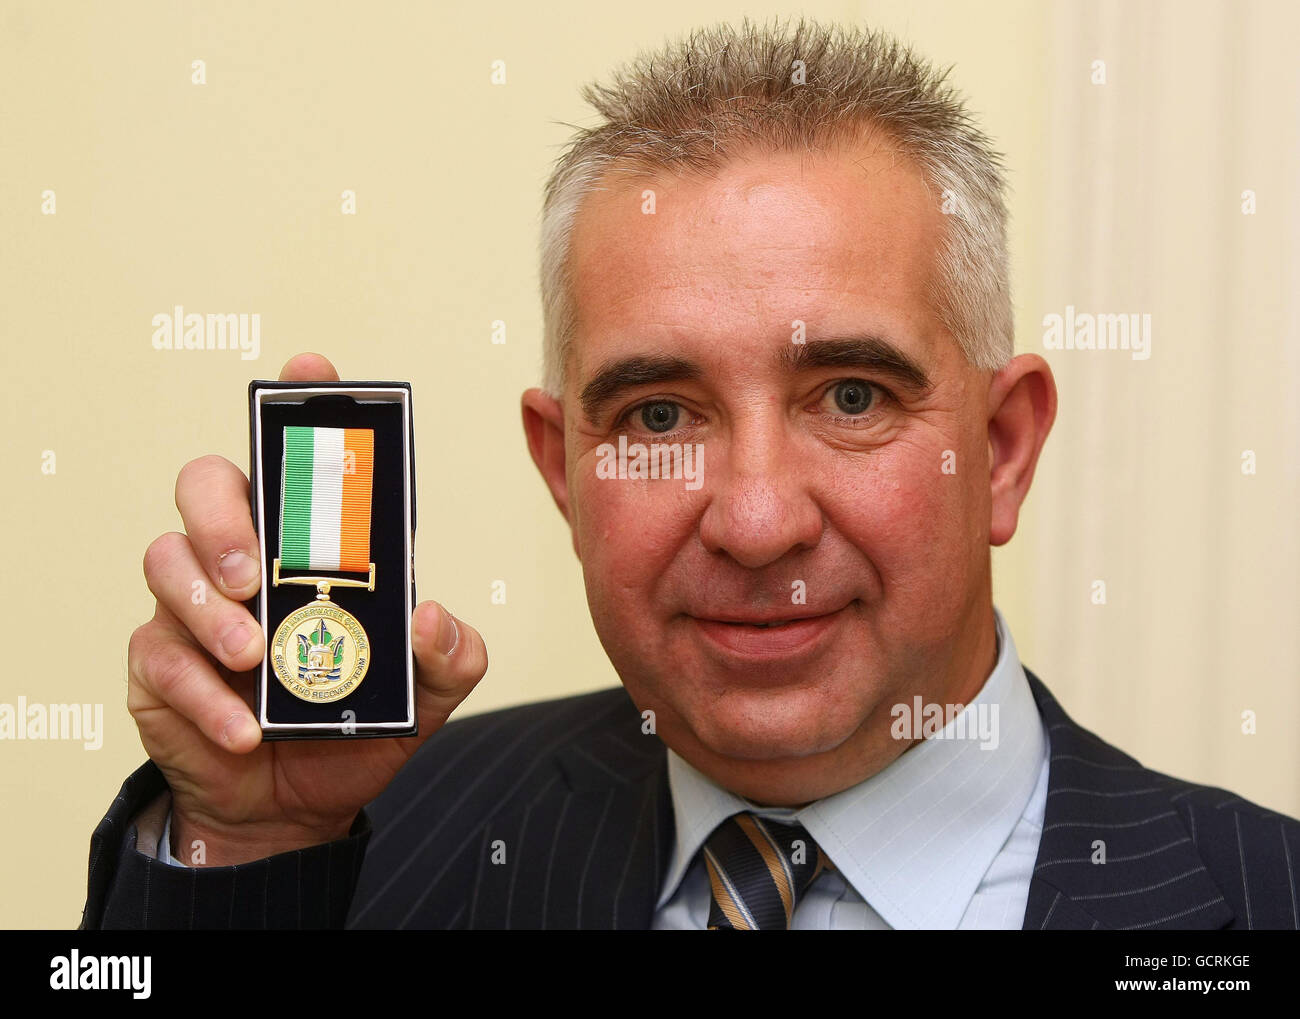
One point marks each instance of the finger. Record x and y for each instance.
(243, 683)
(166, 669)
(308, 368)
(223, 627)
(450, 657)
(212, 496)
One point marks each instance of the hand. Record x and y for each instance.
(191, 680)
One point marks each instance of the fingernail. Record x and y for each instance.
(238, 570)
(448, 632)
(236, 639)
(235, 725)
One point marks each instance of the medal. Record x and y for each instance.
(320, 652)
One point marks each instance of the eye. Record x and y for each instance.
(854, 396)
(660, 416)
(855, 403)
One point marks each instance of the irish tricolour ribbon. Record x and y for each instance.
(325, 511)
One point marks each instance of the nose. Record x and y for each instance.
(760, 507)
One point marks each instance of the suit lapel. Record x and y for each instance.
(588, 852)
(1100, 800)
(590, 849)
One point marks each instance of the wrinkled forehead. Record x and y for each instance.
(729, 266)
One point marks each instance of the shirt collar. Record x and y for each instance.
(915, 839)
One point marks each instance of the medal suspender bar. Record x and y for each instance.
(333, 500)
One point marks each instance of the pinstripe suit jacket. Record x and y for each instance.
(558, 815)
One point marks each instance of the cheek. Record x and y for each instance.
(629, 531)
(913, 521)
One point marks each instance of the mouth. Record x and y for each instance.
(758, 639)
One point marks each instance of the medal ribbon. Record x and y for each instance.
(325, 509)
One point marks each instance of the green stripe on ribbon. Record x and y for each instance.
(295, 514)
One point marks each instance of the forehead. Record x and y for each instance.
(723, 264)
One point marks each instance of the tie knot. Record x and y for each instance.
(758, 869)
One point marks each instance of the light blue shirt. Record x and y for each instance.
(945, 837)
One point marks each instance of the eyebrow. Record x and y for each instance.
(869, 353)
(617, 377)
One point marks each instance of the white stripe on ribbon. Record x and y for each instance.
(326, 498)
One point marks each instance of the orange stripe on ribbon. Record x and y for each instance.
(358, 481)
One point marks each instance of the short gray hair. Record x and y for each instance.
(690, 105)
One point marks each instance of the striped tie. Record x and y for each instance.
(758, 869)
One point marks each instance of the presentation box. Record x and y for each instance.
(332, 474)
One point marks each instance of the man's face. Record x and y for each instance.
(845, 493)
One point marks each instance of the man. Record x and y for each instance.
(780, 261)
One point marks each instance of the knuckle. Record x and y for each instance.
(169, 668)
(198, 471)
(229, 525)
(162, 552)
(137, 648)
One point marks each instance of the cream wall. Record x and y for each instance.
(1143, 487)
(225, 197)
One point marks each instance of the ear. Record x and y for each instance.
(544, 428)
(1022, 407)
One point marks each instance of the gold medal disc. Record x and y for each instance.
(320, 652)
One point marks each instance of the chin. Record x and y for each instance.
(746, 726)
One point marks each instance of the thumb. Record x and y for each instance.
(450, 659)
(308, 368)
